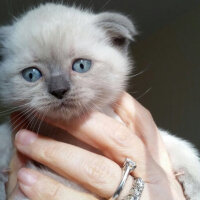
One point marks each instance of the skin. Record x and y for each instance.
(138, 139)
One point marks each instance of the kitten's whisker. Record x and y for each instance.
(139, 73)
(30, 119)
(36, 121)
(105, 4)
(90, 4)
(31, 124)
(9, 113)
(19, 116)
(142, 95)
(41, 121)
(13, 109)
(16, 117)
(18, 125)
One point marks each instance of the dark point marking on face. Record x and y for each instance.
(58, 86)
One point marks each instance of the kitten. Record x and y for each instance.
(62, 62)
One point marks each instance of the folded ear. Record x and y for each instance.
(119, 28)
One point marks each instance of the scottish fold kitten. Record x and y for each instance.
(61, 62)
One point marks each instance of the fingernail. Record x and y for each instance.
(25, 137)
(26, 177)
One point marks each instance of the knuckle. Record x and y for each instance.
(129, 98)
(132, 103)
(54, 153)
(121, 136)
(99, 171)
(47, 152)
(56, 192)
(50, 152)
(148, 113)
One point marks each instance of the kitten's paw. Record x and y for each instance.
(186, 163)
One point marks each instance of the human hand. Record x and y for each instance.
(138, 139)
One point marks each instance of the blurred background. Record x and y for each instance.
(166, 78)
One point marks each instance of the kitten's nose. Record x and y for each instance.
(59, 94)
(58, 86)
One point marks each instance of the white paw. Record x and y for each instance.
(184, 158)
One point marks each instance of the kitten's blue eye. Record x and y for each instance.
(82, 65)
(31, 74)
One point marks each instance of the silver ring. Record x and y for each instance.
(128, 167)
(136, 191)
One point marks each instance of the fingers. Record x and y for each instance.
(94, 172)
(138, 119)
(40, 187)
(114, 139)
(138, 139)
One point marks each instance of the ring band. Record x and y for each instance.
(128, 167)
(136, 191)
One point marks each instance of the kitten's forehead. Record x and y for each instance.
(52, 15)
(55, 28)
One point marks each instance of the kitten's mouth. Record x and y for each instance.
(63, 108)
(66, 105)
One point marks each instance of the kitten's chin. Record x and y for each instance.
(62, 112)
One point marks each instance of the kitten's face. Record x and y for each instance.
(60, 60)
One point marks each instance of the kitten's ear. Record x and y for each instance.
(119, 28)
